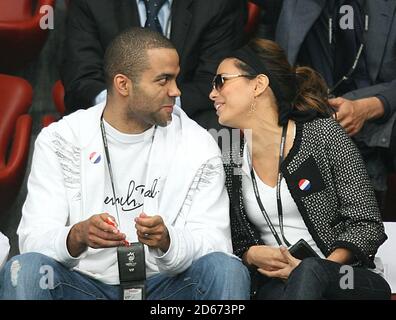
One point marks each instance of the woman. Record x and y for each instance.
(296, 175)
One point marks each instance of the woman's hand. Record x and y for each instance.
(282, 273)
(266, 258)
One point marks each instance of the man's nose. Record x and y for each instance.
(174, 90)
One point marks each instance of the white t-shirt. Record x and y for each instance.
(129, 154)
(293, 224)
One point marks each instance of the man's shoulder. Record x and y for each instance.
(195, 137)
(191, 127)
(75, 125)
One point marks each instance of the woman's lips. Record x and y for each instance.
(218, 106)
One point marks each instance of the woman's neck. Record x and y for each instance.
(263, 130)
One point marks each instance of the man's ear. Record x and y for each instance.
(262, 83)
(122, 84)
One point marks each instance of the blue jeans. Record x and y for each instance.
(317, 278)
(213, 276)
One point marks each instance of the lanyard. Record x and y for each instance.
(358, 54)
(349, 73)
(278, 195)
(106, 147)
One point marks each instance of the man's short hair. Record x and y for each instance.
(127, 53)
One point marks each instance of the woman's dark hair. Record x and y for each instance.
(302, 87)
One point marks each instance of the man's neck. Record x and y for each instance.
(122, 121)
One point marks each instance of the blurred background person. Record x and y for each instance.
(352, 44)
(202, 31)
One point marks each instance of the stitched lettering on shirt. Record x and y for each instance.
(135, 196)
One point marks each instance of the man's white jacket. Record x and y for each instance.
(66, 187)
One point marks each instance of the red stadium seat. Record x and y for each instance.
(253, 19)
(58, 94)
(20, 33)
(15, 130)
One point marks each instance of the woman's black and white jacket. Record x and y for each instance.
(340, 208)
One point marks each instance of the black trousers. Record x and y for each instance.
(318, 279)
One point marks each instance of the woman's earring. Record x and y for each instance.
(253, 106)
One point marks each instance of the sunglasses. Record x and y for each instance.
(219, 79)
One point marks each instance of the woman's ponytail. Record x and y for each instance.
(311, 92)
(303, 89)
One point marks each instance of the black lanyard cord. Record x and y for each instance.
(278, 194)
(106, 147)
(278, 185)
(104, 138)
(359, 52)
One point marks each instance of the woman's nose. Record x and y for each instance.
(213, 94)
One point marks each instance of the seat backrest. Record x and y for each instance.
(15, 10)
(58, 95)
(15, 99)
(253, 19)
(21, 35)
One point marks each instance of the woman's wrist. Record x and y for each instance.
(340, 255)
(249, 256)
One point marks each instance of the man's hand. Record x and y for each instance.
(283, 273)
(99, 231)
(151, 230)
(352, 114)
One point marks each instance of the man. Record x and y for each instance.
(4, 249)
(328, 35)
(136, 162)
(203, 31)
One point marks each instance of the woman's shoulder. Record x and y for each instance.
(328, 123)
(325, 128)
(327, 134)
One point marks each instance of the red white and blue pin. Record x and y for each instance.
(304, 184)
(95, 157)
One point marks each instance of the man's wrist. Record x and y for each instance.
(75, 245)
(372, 106)
(164, 246)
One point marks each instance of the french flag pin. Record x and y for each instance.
(304, 184)
(95, 157)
